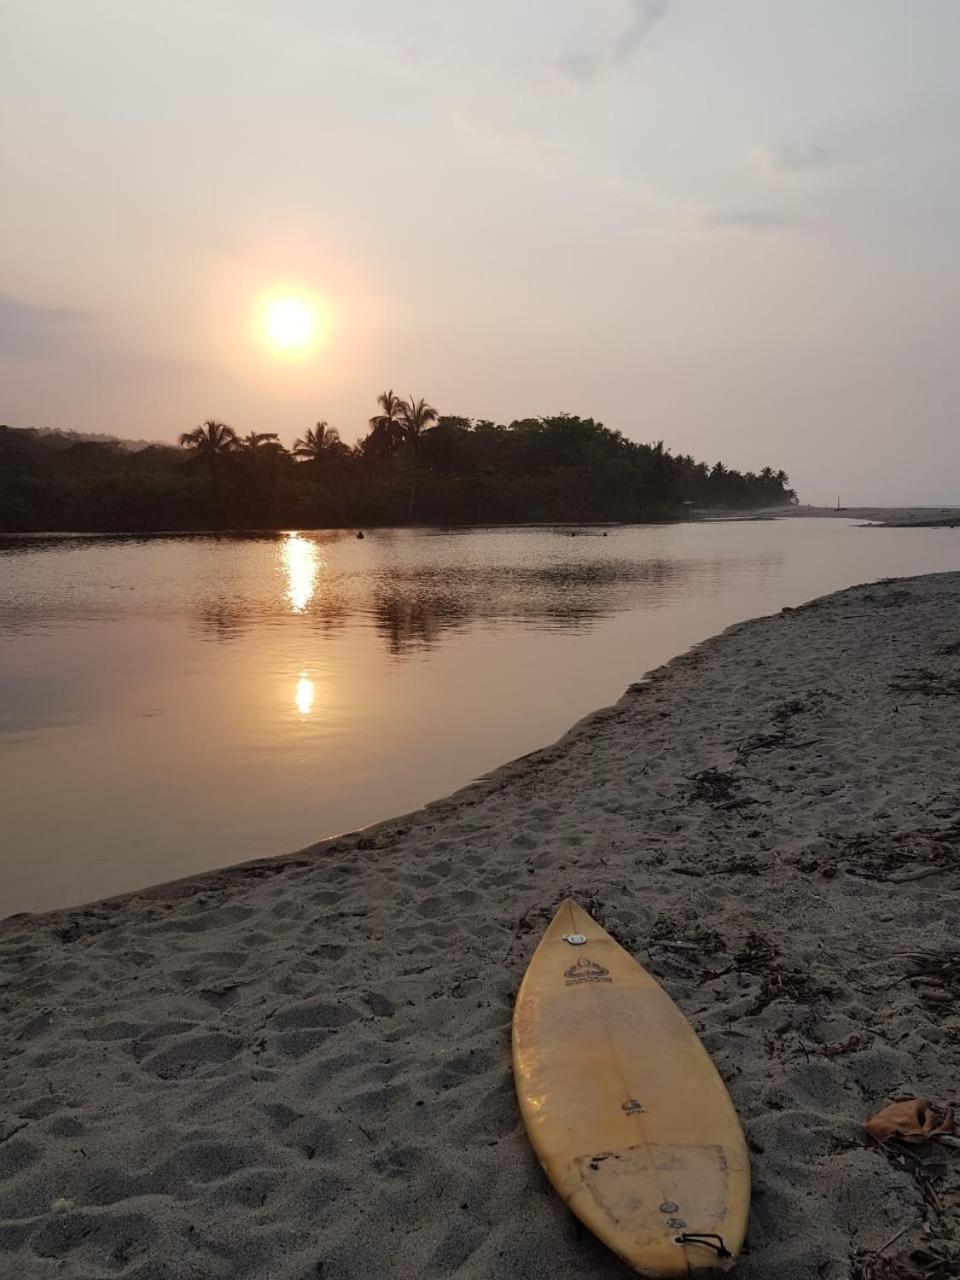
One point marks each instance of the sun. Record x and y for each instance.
(292, 323)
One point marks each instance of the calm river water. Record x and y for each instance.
(174, 704)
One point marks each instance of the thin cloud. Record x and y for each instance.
(646, 15)
(793, 158)
(748, 219)
(28, 330)
(583, 67)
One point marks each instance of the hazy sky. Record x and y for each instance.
(732, 224)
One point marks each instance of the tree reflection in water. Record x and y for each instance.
(412, 607)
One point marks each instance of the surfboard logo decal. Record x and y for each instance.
(584, 970)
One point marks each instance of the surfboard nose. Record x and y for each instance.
(570, 918)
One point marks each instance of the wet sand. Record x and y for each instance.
(300, 1067)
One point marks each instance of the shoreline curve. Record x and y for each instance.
(479, 788)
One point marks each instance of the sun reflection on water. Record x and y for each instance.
(300, 563)
(305, 694)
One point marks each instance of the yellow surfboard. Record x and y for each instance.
(624, 1108)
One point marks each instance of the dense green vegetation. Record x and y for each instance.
(413, 466)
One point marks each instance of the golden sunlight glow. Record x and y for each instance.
(305, 694)
(299, 559)
(292, 323)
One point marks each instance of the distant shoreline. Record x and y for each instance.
(885, 517)
(369, 528)
(881, 517)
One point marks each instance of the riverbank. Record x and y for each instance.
(300, 1067)
(888, 517)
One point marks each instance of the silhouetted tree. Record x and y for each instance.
(211, 442)
(412, 464)
(386, 428)
(416, 416)
(320, 445)
(257, 441)
(265, 457)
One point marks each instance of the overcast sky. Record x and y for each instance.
(730, 224)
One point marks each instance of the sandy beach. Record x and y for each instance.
(299, 1068)
(888, 517)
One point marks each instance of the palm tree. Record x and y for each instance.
(258, 441)
(321, 444)
(387, 426)
(212, 442)
(417, 417)
(263, 452)
(211, 439)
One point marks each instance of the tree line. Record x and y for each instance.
(413, 466)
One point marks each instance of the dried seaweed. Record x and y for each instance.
(763, 742)
(937, 1264)
(761, 958)
(887, 599)
(932, 684)
(900, 856)
(935, 977)
(867, 1265)
(713, 785)
(781, 736)
(840, 1047)
(668, 931)
(787, 710)
(744, 865)
(922, 1264)
(756, 954)
(926, 1168)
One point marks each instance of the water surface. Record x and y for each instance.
(169, 705)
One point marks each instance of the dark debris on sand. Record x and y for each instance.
(713, 785)
(900, 856)
(921, 1264)
(761, 958)
(936, 978)
(926, 681)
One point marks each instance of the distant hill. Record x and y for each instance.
(69, 436)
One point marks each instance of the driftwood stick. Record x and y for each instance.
(893, 1239)
(679, 946)
(922, 874)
